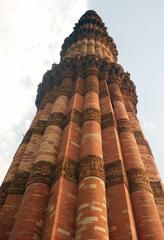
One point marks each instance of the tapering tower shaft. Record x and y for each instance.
(84, 169)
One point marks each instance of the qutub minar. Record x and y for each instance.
(84, 169)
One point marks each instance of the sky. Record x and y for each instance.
(32, 33)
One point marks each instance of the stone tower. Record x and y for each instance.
(84, 169)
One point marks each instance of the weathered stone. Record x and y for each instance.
(138, 180)
(91, 166)
(114, 173)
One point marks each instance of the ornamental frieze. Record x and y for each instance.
(41, 105)
(158, 190)
(51, 97)
(138, 180)
(107, 120)
(18, 185)
(67, 168)
(139, 138)
(3, 192)
(103, 93)
(129, 107)
(65, 90)
(75, 116)
(91, 166)
(92, 114)
(124, 126)
(104, 69)
(142, 141)
(57, 119)
(115, 97)
(114, 173)
(88, 33)
(41, 173)
(40, 127)
(57, 171)
(70, 170)
(90, 66)
(116, 72)
(91, 71)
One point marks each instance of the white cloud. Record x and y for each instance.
(32, 33)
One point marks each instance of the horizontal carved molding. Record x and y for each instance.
(27, 136)
(4, 191)
(92, 114)
(142, 141)
(83, 66)
(107, 120)
(139, 137)
(114, 97)
(91, 71)
(103, 94)
(129, 107)
(138, 180)
(114, 173)
(40, 127)
(67, 168)
(91, 166)
(66, 91)
(58, 119)
(158, 190)
(75, 116)
(18, 185)
(41, 173)
(124, 126)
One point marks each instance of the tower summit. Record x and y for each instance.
(84, 169)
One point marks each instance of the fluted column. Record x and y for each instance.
(119, 212)
(144, 208)
(29, 219)
(60, 217)
(146, 155)
(91, 220)
(19, 171)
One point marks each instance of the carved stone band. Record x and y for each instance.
(92, 114)
(103, 94)
(107, 120)
(129, 108)
(124, 126)
(139, 138)
(115, 97)
(138, 180)
(3, 192)
(75, 116)
(157, 189)
(65, 90)
(142, 141)
(19, 182)
(40, 127)
(58, 119)
(67, 168)
(91, 166)
(114, 173)
(41, 173)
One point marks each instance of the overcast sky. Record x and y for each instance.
(32, 33)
